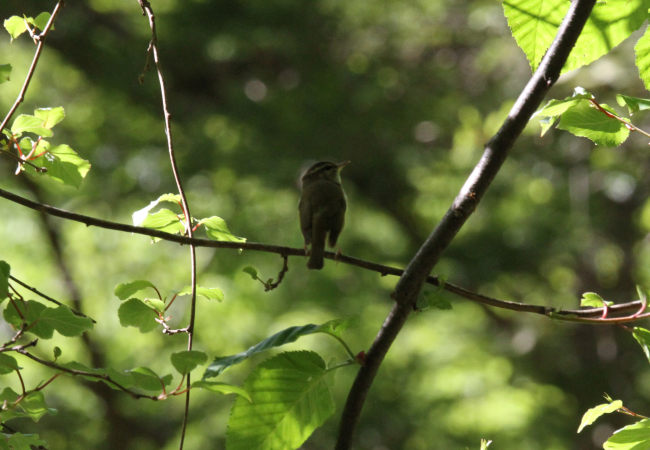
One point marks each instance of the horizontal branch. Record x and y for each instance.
(290, 251)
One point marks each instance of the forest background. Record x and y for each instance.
(409, 92)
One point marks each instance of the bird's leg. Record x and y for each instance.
(337, 254)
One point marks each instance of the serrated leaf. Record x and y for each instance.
(252, 271)
(50, 116)
(534, 24)
(5, 73)
(15, 26)
(209, 293)
(634, 104)
(594, 413)
(5, 271)
(221, 388)
(134, 313)
(631, 437)
(124, 379)
(642, 336)
(35, 407)
(63, 165)
(290, 399)
(42, 19)
(216, 229)
(8, 364)
(583, 120)
(148, 380)
(126, 290)
(65, 322)
(19, 441)
(186, 361)
(283, 337)
(31, 311)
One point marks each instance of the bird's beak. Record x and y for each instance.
(342, 165)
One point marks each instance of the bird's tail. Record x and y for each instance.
(318, 238)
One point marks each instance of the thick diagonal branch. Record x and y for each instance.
(410, 284)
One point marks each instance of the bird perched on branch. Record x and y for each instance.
(322, 208)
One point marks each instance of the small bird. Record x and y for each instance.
(322, 208)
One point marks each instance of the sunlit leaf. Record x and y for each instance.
(631, 437)
(221, 388)
(35, 407)
(15, 26)
(594, 413)
(62, 164)
(50, 116)
(30, 124)
(583, 120)
(217, 229)
(642, 336)
(290, 399)
(209, 293)
(634, 104)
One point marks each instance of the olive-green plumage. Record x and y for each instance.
(322, 208)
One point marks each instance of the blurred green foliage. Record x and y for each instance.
(409, 91)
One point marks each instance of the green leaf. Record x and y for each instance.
(436, 300)
(162, 219)
(31, 310)
(485, 444)
(62, 164)
(186, 361)
(126, 290)
(593, 299)
(642, 50)
(594, 413)
(50, 116)
(42, 19)
(217, 230)
(252, 271)
(285, 336)
(148, 380)
(5, 73)
(19, 441)
(8, 364)
(124, 379)
(290, 399)
(141, 215)
(583, 120)
(337, 326)
(209, 293)
(10, 396)
(57, 353)
(65, 322)
(30, 124)
(534, 24)
(15, 26)
(134, 313)
(155, 304)
(221, 388)
(631, 437)
(5, 270)
(35, 407)
(634, 104)
(642, 336)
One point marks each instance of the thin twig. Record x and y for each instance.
(410, 284)
(46, 297)
(103, 377)
(285, 269)
(39, 48)
(153, 49)
(289, 251)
